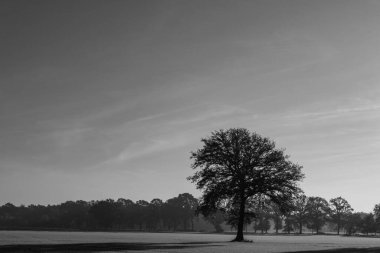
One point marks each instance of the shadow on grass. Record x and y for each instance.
(93, 247)
(344, 250)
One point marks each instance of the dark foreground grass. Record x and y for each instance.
(343, 250)
(93, 247)
(104, 247)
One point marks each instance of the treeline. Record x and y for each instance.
(179, 214)
(123, 214)
(315, 214)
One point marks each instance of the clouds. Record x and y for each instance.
(126, 89)
(148, 148)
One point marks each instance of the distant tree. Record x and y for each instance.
(126, 213)
(188, 205)
(368, 224)
(263, 214)
(290, 223)
(173, 216)
(299, 213)
(154, 215)
(236, 166)
(277, 216)
(8, 214)
(104, 213)
(339, 209)
(217, 219)
(376, 211)
(353, 223)
(73, 214)
(262, 223)
(141, 207)
(317, 211)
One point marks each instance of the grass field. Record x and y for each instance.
(32, 241)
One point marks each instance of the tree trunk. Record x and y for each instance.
(239, 235)
(338, 227)
(277, 224)
(300, 227)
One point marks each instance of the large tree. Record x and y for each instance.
(235, 166)
(339, 210)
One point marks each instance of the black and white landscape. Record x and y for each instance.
(183, 125)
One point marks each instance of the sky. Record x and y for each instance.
(106, 99)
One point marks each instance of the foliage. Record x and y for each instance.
(299, 212)
(180, 210)
(368, 224)
(290, 223)
(124, 214)
(339, 210)
(262, 223)
(103, 212)
(353, 223)
(235, 166)
(277, 216)
(317, 211)
(263, 214)
(376, 211)
(217, 219)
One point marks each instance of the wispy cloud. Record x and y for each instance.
(142, 149)
(209, 114)
(332, 113)
(167, 131)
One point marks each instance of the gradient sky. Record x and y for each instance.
(106, 99)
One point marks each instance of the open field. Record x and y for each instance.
(174, 242)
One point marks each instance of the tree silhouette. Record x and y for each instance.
(141, 216)
(188, 205)
(317, 211)
(277, 216)
(125, 212)
(262, 223)
(339, 210)
(289, 223)
(368, 224)
(299, 213)
(236, 166)
(216, 219)
(262, 213)
(376, 211)
(104, 213)
(353, 223)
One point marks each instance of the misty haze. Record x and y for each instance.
(189, 126)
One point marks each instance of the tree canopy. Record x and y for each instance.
(299, 212)
(339, 210)
(236, 166)
(317, 211)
